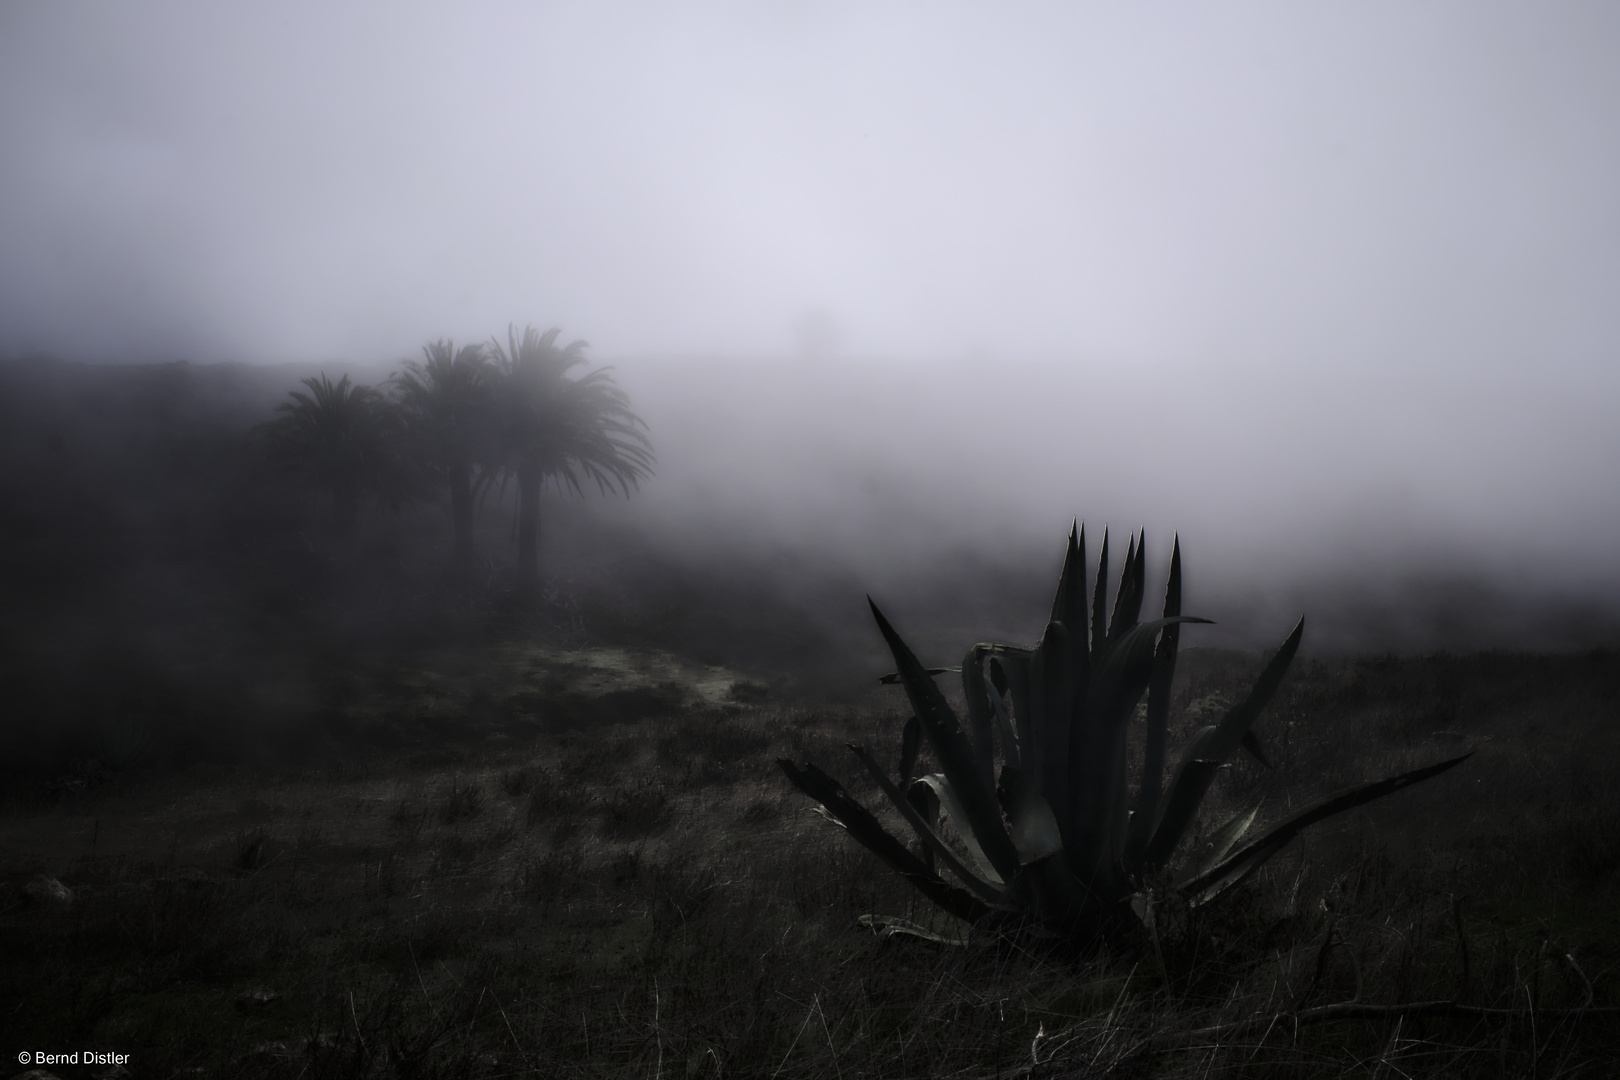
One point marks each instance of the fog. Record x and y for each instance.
(1328, 291)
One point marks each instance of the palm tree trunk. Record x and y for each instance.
(461, 514)
(528, 539)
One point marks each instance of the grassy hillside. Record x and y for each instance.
(279, 807)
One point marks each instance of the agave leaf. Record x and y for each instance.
(1191, 779)
(1158, 715)
(1238, 869)
(1190, 784)
(1069, 609)
(829, 816)
(1015, 664)
(922, 797)
(871, 834)
(1069, 605)
(1099, 617)
(892, 677)
(952, 804)
(1128, 601)
(1242, 862)
(1141, 578)
(990, 891)
(997, 690)
(1251, 743)
(977, 694)
(1236, 722)
(1034, 827)
(1225, 839)
(981, 817)
(910, 746)
(1051, 698)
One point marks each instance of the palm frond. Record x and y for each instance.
(567, 430)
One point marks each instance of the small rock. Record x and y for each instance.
(46, 891)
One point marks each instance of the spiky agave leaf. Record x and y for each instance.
(1099, 617)
(865, 828)
(1238, 720)
(1069, 610)
(1132, 586)
(1188, 782)
(1051, 693)
(1069, 603)
(953, 752)
(1194, 777)
(1245, 860)
(1158, 716)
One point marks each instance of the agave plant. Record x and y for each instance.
(1055, 838)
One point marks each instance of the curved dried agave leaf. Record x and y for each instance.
(860, 823)
(1224, 840)
(987, 886)
(960, 821)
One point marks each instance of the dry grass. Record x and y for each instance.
(651, 899)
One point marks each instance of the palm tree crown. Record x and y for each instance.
(446, 401)
(340, 438)
(448, 407)
(563, 429)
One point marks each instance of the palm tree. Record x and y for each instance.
(557, 428)
(340, 438)
(448, 406)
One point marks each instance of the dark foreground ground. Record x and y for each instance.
(587, 864)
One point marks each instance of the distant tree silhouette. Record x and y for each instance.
(343, 439)
(449, 409)
(552, 427)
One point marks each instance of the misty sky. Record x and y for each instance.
(1302, 265)
(1320, 185)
